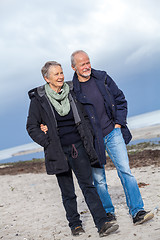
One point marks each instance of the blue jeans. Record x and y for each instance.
(116, 149)
(83, 172)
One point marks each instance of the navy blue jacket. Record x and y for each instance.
(115, 104)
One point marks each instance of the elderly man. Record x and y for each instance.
(106, 107)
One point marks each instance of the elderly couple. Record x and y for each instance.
(76, 122)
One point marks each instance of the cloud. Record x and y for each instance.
(118, 34)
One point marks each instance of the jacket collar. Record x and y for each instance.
(37, 92)
(40, 91)
(96, 74)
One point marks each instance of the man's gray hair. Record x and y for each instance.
(46, 67)
(73, 55)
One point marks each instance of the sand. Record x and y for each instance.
(31, 208)
(148, 132)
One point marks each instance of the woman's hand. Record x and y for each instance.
(44, 128)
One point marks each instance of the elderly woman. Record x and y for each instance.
(68, 146)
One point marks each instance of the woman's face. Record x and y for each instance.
(56, 78)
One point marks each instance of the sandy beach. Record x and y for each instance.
(146, 132)
(31, 208)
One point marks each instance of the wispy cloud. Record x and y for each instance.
(121, 33)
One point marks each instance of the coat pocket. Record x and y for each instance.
(49, 152)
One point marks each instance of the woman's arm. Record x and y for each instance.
(34, 121)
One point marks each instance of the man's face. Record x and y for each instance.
(82, 65)
(56, 77)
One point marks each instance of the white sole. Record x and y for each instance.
(146, 218)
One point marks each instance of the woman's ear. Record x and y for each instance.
(46, 79)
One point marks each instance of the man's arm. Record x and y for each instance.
(44, 128)
(120, 102)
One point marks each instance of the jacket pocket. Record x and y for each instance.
(49, 152)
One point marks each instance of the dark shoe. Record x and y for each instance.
(142, 216)
(111, 217)
(108, 228)
(77, 231)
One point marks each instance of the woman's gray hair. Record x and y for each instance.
(46, 67)
(73, 55)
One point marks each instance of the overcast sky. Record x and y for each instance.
(120, 36)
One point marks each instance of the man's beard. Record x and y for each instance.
(84, 75)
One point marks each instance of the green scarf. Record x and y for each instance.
(59, 101)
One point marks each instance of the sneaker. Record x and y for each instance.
(77, 231)
(108, 228)
(111, 217)
(142, 216)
